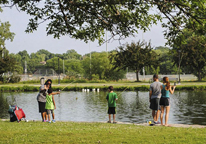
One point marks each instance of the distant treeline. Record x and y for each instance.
(75, 65)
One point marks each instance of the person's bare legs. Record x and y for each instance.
(162, 114)
(53, 115)
(167, 115)
(109, 117)
(157, 115)
(49, 117)
(44, 116)
(114, 118)
(153, 114)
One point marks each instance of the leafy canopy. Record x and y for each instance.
(190, 51)
(89, 19)
(134, 56)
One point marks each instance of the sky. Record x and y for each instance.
(32, 42)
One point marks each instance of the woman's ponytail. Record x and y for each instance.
(166, 80)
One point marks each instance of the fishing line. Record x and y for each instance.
(67, 85)
(122, 91)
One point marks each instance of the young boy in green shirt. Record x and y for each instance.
(111, 99)
(50, 105)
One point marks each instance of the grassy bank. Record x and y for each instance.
(74, 133)
(102, 87)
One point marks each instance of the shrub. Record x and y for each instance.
(15, 79)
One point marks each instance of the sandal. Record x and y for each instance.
(108, 121)
(114, 122)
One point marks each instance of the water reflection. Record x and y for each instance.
(3, 106)
(190, 107)
(186, 107)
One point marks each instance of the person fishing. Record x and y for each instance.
(111, 99)
(165, 99)
(41, 98)
(154, 98)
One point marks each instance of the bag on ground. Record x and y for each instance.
(16, 113)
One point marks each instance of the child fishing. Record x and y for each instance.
(50, 105)
(111, 99)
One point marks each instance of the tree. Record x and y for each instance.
(72, 54)
(166, 64)
(33, 62)
(189, 50)
(5, 34)
(134, 56)
(101, 67)
(48, 55)
(88, 19)
(18, 67)
(24, 55)
(53, 63)
(99, 62)
(7, 63)
(74, 66)
(112, 73)
(24, 58)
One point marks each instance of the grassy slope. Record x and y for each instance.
(70, 132)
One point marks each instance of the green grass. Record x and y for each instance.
(75, 133)
(127, 86)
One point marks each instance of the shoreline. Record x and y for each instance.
(125, 123)
(101, 87)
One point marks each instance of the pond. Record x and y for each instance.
(186, 107)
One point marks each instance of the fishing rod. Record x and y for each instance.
(67, 85)
(122, 91)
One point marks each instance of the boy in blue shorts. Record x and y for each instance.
(111, 99)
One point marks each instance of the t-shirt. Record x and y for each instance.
(41, 97)
(49, 102)
(111, 97)
(155, 87)
(165, 93)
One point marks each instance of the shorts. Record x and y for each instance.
(111, 110)
(50, 111)
(164, 101)
(42, 107)
(155, 104)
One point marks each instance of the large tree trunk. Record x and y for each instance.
(199, 76)
(137, 75)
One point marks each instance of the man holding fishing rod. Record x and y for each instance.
(154, 98)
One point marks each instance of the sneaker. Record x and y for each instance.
(53, 121)
(44, 121)
(157, 122)
(49, 121)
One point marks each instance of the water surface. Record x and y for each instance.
(186, 107)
